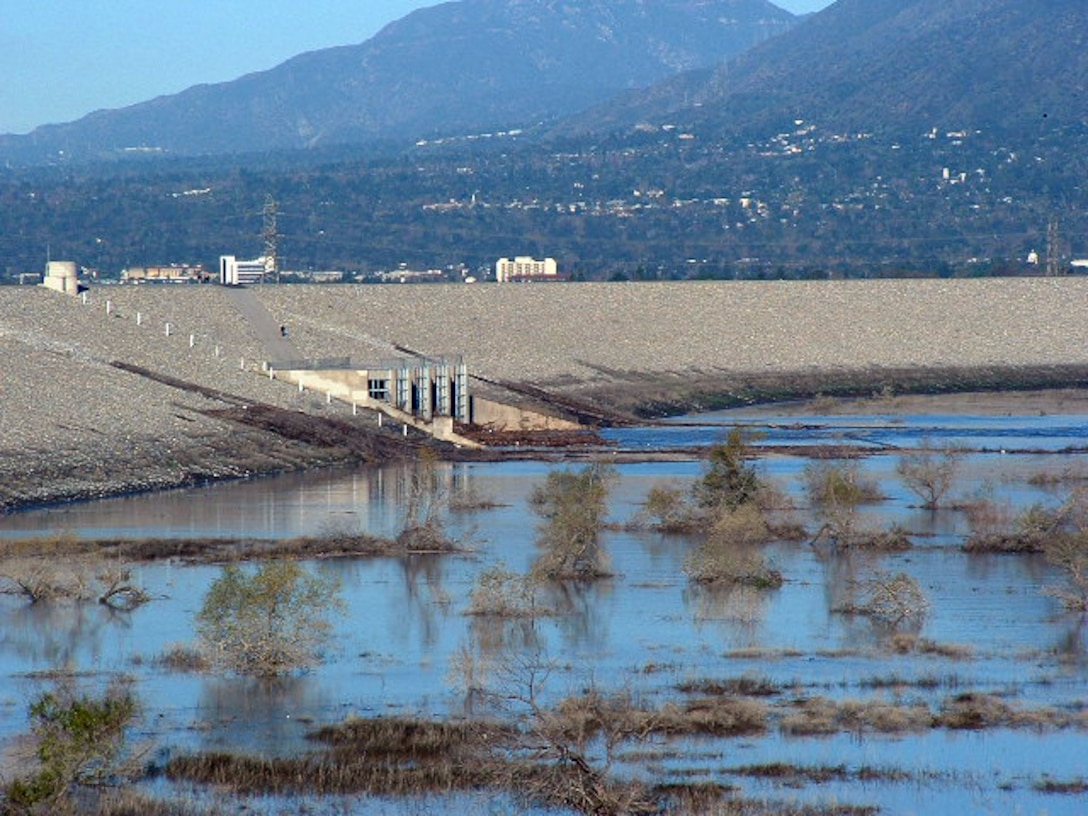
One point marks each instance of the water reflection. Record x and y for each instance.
(62, 635)
(403, 638)
(266, 716)
(738, 611)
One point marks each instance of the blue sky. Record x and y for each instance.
(62, 59)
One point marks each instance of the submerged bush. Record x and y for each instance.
(929, 473)
(572, 505)
(501, 593)
(79, 742)
(730, 480)
(730, 553)
(830, 484)
(268, 622)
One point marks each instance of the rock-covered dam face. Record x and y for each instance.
(75, 423)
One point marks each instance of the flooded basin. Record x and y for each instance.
(990, 630)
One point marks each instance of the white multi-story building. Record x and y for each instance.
(525, 268)
(233, 272)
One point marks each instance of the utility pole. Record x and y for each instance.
(1053, 248)
(270, 234)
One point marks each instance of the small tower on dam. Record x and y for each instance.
(62, 276)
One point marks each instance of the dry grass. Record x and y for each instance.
(909, 643)
(744, 686)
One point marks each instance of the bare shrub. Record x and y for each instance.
(74, 576)
(573, 506)
(499, 592)
(1065, 544)
(891, 599)
(425, 500)
(993, 528)
(928, 472)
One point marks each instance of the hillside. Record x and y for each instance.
(891, 66)
(874, 139)
(472, 65)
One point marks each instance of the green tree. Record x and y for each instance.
(270, 621)
(730, 480)
(79, 742)
(573, 506)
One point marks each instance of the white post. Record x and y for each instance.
(300, 388)
(406, 430)
(217, 350)
(271, 373)
(380, 419)
(84, 296)
(109, 307)
(139, 319)
(354, 409)
(167, 329)
(328, 397)
(242, 364)
(192, 340)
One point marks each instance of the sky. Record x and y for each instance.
(63, 59)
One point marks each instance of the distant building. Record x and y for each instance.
(526, 269)
(62, 276)
(233, 272)
(174, 273)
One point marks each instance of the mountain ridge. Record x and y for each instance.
(893, 65)
(469, 65)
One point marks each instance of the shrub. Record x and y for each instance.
(893, 598)
(929, 473)
(573, 506)
(80, 742)
(501, 593)
(267, 622)
(839, 484)
(667, 510)
(729, 555)
(729, 481)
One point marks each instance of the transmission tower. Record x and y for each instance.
(1053, 248)
(271, 236)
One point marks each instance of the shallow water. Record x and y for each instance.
(645, 630)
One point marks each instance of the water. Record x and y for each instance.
(647, 629)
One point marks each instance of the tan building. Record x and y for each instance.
(524, 268)
(174, 273)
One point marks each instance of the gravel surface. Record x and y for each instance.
(74, 425)
(590, 332)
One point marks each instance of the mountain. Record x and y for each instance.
(877, 137)
(889, 66)
(472, 65)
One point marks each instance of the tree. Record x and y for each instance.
(929, 473)
(730, 480)
(573, 506)
(79, 742)
(268, 622)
